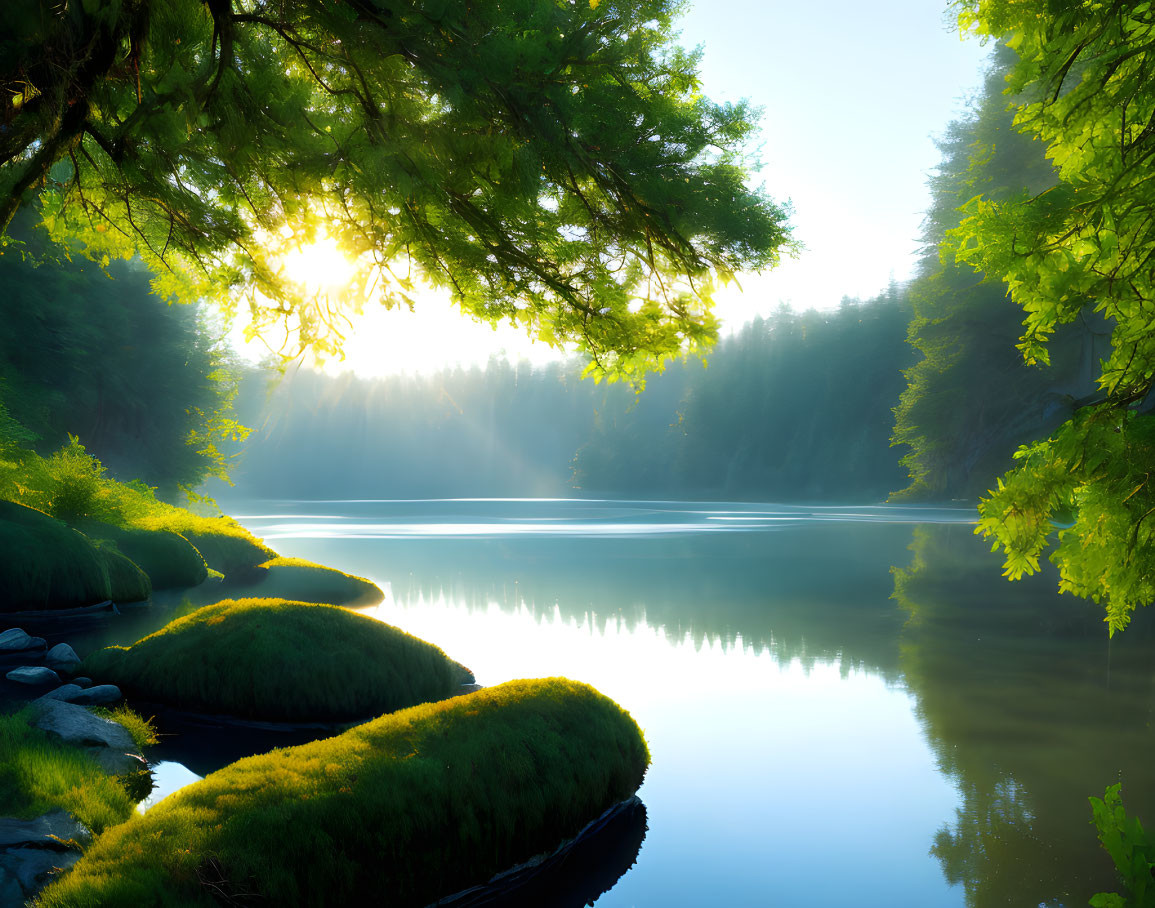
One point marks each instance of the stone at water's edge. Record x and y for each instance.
(107, 741)
(36, 675)
(62, 657)
(65, 693)
(47, 831)
(32, 851)
(101, 695)
(15, 640)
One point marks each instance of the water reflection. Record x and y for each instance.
(1030, 708)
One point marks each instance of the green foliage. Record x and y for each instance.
(272, 659)
(1084, 87)
(38, 775)
(46, 564)
(1132, 850)
(970, 400)
(417, 804)
(551, 164)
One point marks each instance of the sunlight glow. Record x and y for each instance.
(319, 266)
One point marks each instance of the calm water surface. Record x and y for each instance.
(818, 737)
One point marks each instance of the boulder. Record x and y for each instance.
(62, 657)
(35, 675)
(108, 742)
(101, 695)
(51, 830)
(14, 640)
(81, 681)
(34, 868)
(65, 693)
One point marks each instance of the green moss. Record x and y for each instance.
(126, 581)
(304, 581)
(401, 810)
(169, 560)
(224, 544)
(38, 774)
(45, 564)
(272, 659)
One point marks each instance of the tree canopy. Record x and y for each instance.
(554, 164)
(1087, 243)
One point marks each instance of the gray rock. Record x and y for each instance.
(62, 657)
(33, 674)
(82, 681)
(108, 743)
(11, 895)
(14, 640)
(65, 693)
(35, 867)
(45, 831)
(101, 695)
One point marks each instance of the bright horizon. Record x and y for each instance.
(852, 101)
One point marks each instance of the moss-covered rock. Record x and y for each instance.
(407, 808)
(169, 560)
(45, 564)
(225, 545)
(304, 581)
(272, 659)
(126, 581)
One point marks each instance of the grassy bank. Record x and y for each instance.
(38, 775)
(304, 581)
(273, 659)
(403, 809)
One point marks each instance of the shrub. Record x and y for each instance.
(272, 659)
(45, 564)
(404, 809)
(38, 775)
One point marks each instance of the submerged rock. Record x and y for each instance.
(106, 741)
(35, 675)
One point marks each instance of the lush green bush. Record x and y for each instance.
(38, 775)
(304, 581)
(272, 659)
(169, 560)
(72, 485)
(404, 809)
(45, 564)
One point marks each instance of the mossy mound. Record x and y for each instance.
(169, 560)
(225, 545)
(404, 809)
(126, 581)
(304, 581)
(278, 660)
(45, 564)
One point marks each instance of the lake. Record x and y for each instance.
(824, 731)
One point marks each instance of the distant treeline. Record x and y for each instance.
(792, 406)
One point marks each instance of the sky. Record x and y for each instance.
(853, 95)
